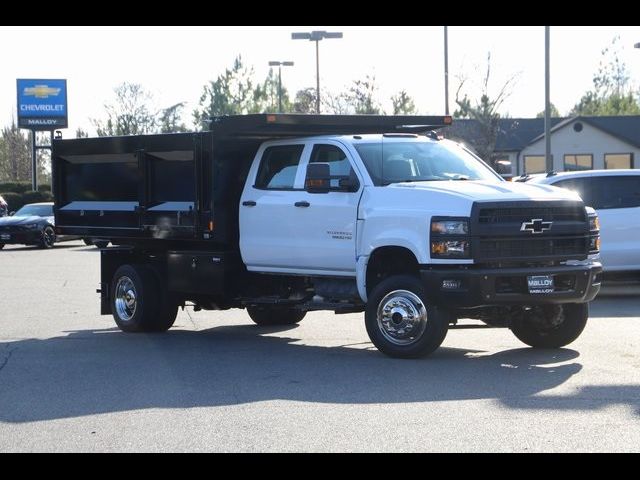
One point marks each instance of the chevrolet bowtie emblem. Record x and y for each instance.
(536, 225)
(41, 91)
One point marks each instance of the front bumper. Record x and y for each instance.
(23, 237)
(508, 286)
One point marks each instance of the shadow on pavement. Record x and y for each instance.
(100, 371)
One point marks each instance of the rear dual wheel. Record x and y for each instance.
(139, 302)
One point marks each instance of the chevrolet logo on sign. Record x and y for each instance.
(41, 91)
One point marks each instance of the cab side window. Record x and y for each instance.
(338, 164)
(279, 167)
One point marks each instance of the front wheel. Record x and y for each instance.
(400, 320)
(138, 301)
(48, 237)
(275, 315)
(551, 326)
(1, 246)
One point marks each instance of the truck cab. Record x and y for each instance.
(372, 214)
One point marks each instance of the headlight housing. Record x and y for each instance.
(32, 226)
(594, 233)
(450, 238)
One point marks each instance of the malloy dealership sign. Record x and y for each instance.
(42, 104)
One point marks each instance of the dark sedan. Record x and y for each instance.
(31, 225)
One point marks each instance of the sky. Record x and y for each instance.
(174, 63)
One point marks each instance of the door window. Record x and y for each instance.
(279, 167)
(338, 163)
(616, 192)
(581, 186)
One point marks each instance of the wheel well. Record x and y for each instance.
(386, 261)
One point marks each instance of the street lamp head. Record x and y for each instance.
(274, 63)
(301, 36)
(315, 36)
(637, 45)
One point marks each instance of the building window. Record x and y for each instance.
(578, 162)
(618, 160)
(535, 164)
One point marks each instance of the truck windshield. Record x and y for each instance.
(421, 160)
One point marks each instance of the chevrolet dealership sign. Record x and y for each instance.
(42, 104)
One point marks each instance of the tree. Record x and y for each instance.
(403, 104)
(129, 113)
(362, 96)
(305, 101)
(485, 111)
(81, 133)
(336, 103)
(266, 95)
(170, 119)
(554, 112)
(232, 93)
(612, 93)
(15, 154)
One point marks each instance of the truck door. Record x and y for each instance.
(269, 235)
(329, 219)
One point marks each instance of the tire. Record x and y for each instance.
(275, 315)
(1, 246)
(535, 327)
(87, 241)
(404, 294)
(101, 243)
(138, 302)
(48, 237)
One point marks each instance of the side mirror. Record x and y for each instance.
(318, 179)
(11, 214)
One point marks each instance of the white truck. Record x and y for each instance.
(285, 214)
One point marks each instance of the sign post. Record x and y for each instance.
(42, 105)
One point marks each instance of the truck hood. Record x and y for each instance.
(486, 191)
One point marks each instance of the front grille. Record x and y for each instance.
(518, 215)
(493, 248)
(13, 229)
(499, 231)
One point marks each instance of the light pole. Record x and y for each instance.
(316, 36)
(280, 65)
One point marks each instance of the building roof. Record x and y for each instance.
(623, 127)
(513, 133)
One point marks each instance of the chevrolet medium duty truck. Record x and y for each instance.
(286, 214)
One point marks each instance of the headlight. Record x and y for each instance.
(450, 248)
(32, 226)
(450, 227)
(594, 228)
(449, 238)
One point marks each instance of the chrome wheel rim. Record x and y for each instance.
(402, 317)
(126, 299)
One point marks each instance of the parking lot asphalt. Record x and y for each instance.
(70, 381)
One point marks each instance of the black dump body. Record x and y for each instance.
(182, 189)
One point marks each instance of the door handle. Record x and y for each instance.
(249, 203)
(302, 204)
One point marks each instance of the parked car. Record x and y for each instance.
(33, 224)
(615, 194)
(4, 208)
